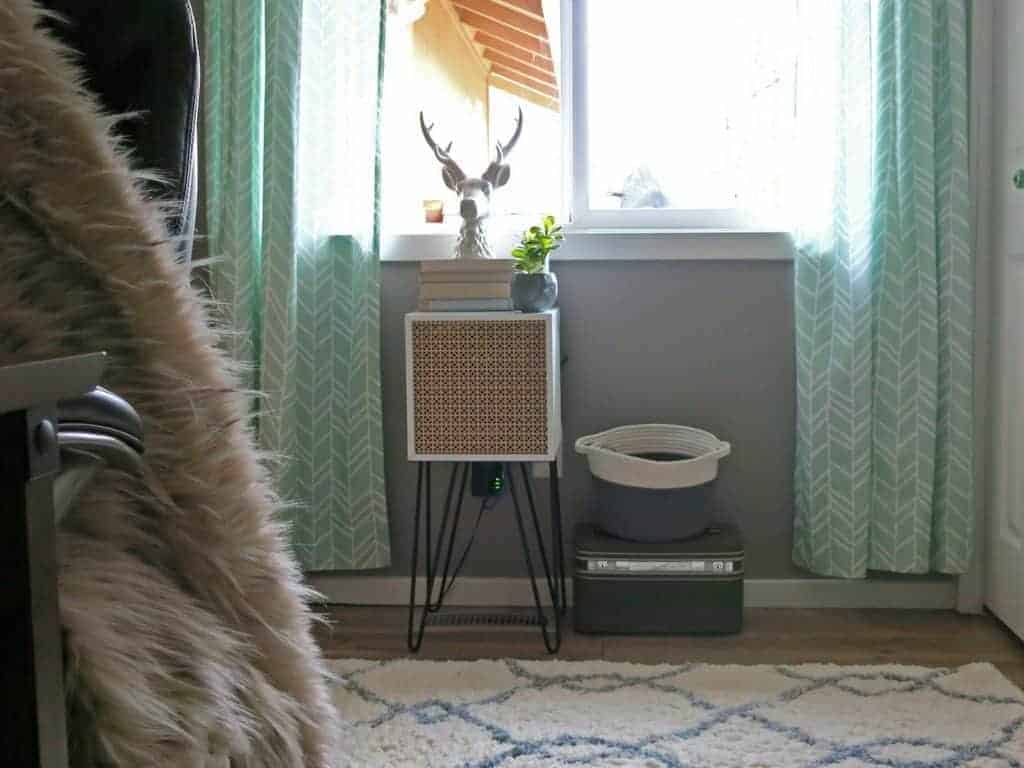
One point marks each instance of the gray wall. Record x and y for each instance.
(702, 343)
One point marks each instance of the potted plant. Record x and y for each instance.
(534, 288)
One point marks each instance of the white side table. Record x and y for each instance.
(483, 387)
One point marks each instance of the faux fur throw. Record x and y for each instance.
(187, 634)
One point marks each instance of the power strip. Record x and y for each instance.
(487, 479)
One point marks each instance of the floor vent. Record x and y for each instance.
(482, 619)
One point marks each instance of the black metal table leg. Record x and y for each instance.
(456, 518)
(414, 637)
(550, 573)
(552, 639)
(433, 555)
(556, 533)
(441, 551)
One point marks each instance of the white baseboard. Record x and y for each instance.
(758, 593)
(928, 595)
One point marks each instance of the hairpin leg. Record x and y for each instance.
(551, 573)
(441, 549)
(457, 517)
(434, 552)
(556, 533)
(433, 606)
(552, 637)
(414, 636)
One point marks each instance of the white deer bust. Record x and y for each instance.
(474, 193)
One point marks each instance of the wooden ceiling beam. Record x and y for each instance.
(530, 95)
(543, 75)
(513, 51)
(507, 16)
(524, 80)
(505, 32)
(532, 7)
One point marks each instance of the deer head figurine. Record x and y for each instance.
(474, 193)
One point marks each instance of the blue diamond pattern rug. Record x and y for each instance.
(543, 714)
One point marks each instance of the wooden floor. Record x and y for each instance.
(770, 636)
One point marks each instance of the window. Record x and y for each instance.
(682, 110)
(470, 66)
(672, 114)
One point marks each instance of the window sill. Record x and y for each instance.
(611, 245)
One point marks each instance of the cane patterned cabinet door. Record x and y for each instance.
(482, 386)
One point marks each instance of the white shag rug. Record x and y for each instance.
(542, 714)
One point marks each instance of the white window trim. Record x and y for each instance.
(613, 235)
(612, 245)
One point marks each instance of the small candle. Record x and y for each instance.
(433, 211)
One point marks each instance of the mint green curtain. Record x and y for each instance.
(885, 302)
(291, 107)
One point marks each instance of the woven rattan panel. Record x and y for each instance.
(480, 387)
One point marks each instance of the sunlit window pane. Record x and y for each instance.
(689, 103)
(469, 70)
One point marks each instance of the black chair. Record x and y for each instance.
(142, 59)
(58, 429)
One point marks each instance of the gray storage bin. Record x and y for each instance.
(689, 587)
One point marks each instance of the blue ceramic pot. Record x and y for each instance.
(535, 291)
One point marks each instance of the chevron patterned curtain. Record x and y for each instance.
(885, 298)
(291, 106)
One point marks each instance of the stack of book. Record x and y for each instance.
(466, 285)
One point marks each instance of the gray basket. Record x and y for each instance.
(653, 481)
(652, 514)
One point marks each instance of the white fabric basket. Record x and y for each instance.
(612, 455)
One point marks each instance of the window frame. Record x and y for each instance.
(623, 235)
(575, 153)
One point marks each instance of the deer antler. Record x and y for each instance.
(451, 173)
(498, 172)
(505, 148)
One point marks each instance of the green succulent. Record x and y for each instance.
(536, 245)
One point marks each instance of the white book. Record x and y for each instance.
(467, 265)
(466, 305)
(500, 290)
(470, 276)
